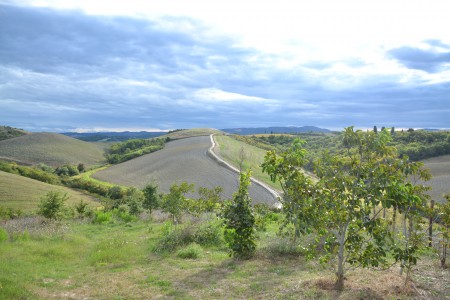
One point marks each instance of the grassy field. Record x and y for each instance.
(229, 149)
(180, 160)
(191, 133)
(50, 148)
(77, 260)
(440, 182)
(24, 193)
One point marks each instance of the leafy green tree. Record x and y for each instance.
(208, 201)
(240, 221)
(342, 209)
(52, 204)
(152, 198)
(81, 208)
(174, 203)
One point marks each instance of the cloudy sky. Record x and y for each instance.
(84, 65)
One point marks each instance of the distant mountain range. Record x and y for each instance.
(126, 135)
(269, 130)
(112, 136)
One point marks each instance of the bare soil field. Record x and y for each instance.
(181, 160)
(440, 182)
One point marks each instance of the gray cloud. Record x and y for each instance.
(426, 60)
(61, 70)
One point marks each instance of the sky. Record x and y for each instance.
(105, 65)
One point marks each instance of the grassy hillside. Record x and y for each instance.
(440, 182)
(230, 150)
(24, 193)
(116, 261)
(50, 148)
(7, 132)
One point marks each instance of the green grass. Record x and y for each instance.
(229, 149)
(50, 148)
(115, 261)
(24, 193)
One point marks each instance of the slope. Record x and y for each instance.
(24, 193)
(440, 182)
(50, 148)
(180, 160)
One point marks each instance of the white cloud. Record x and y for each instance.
(217, 95)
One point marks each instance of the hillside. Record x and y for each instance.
(180, 160)
(50, 148)
(7, 132)
(271, 130)
(186, 133)
(24, 193)
(440, 182)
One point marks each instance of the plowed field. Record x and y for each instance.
(181, 160)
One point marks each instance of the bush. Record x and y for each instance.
(52, 204)
(173, 237)
(209, 234)
(101, 217)
(8, 213)
(192, 251)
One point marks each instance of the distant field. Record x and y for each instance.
(180, 160)
(229, 149)
(192, 133)
(24, 193)
(440, 182)
(50, 148)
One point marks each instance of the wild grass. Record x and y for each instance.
(23, 193)
(230, 150)
(50, 148)
(115, 261)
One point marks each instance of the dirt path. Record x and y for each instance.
(182, 160)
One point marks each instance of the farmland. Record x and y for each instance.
(51, 149)
(24, 193)
(440, 182)
(181, 160)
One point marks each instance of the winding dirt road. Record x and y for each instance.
(182, 160)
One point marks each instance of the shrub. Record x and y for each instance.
(81, 208)
(52, 204)
(173, 237)
(209, 234)
(101, 217)
(7, 213)
(3, 235)
(192, 251)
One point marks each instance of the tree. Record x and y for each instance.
(174, 203)
(207, 202)
(375, 129)
(342, 209)
(51, 205)
(444, 231)
(152, 197)
(240, 221)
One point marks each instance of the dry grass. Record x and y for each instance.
(50, 148)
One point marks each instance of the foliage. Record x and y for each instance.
(36, 173)
(52, 204)
(81, 208)
(7, 213)
(208, 201)
(342, 209)
(152, 198)
(3, 235)
(7, 132)
(240, 221)
(67, 170)
(130, 149)
(102, 217)
(192, 251)
(175, 202)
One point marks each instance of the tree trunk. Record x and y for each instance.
(394, 217)
(430, 227)
(339, 285)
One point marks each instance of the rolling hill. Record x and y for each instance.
(7, 132)
(440, 182)
(50, 148)
(181, 160)
(24, 193)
